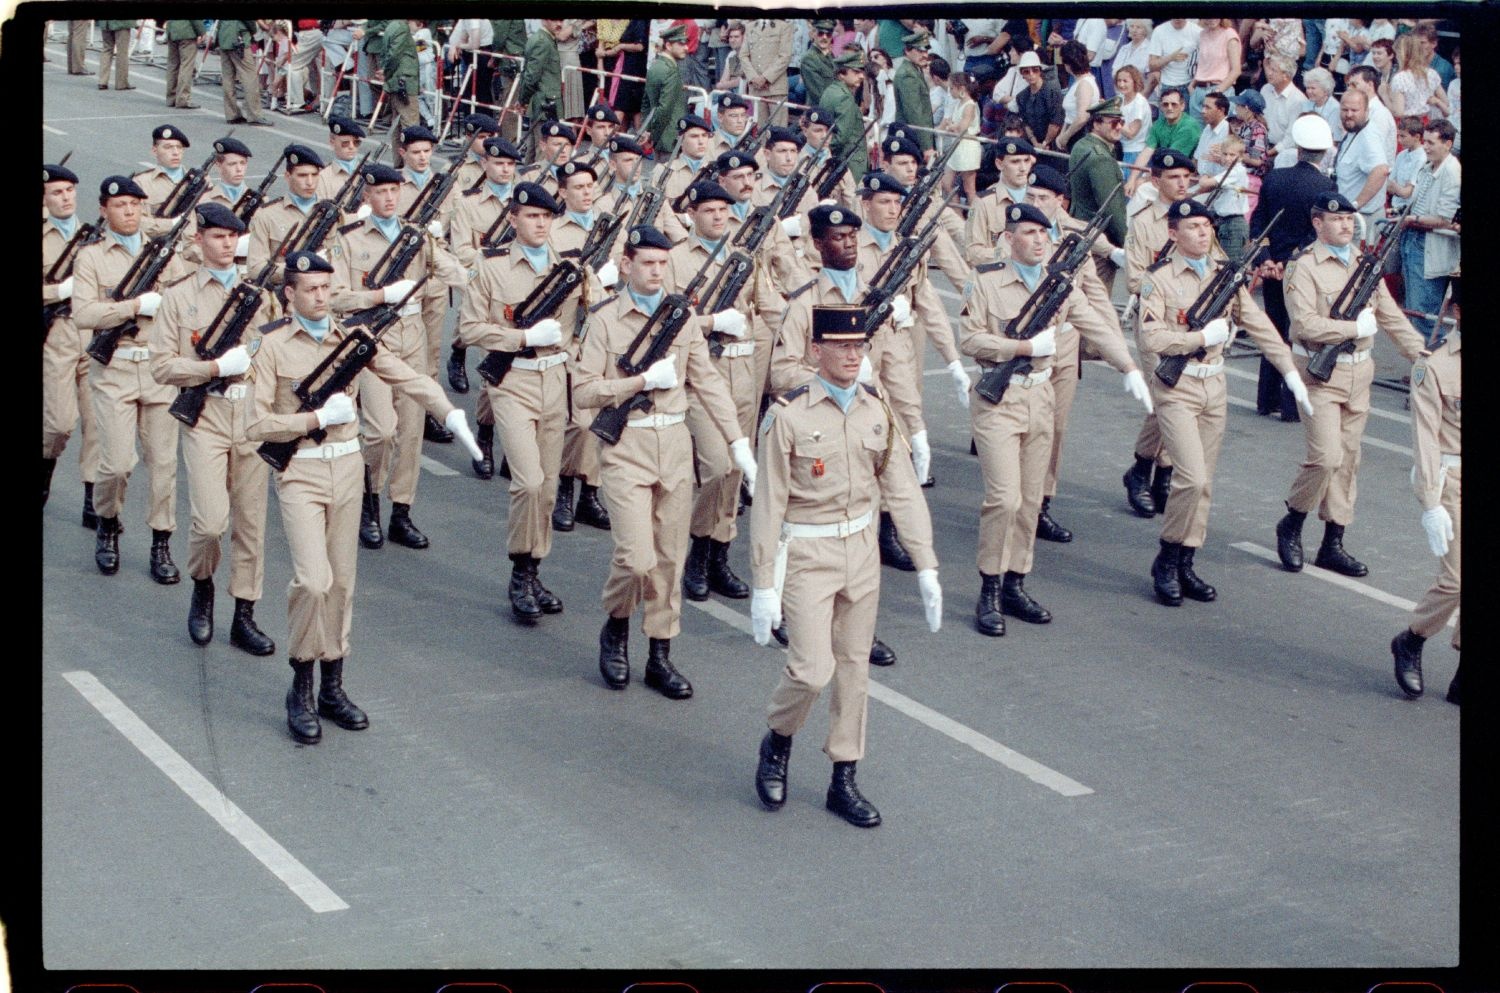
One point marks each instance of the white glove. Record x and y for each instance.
(961, 380)
(866, 371)
(1215, 332)
(338, 410)
(1117, 256)
(901, 310)
(744, 460)
(147, 303)
(1044, 344)
(233, 362)
(1299, 390)
(765, 614)
(1135, 385)
(792, 226)
(932, 598)
(730, 322)
(921, 455)
(242, 246)
(1364, 324)
(459, 425)
(543, 332)
(65, 289)
(609, 274)
(662, 375)
(397, 291)
(1439, 527)
(363, 212)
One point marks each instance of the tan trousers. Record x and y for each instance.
(181, 58)
(320, 505)
(226, 483)
(114, 49)
(1064, 389)
(240, 65)
(648, 490)
(830, 601)
(1148, 444)
(78, 43)
(129, 404)
(434, 309)
(718, 499)
(580, 458)
(391, 424)
(1192, 416)
(1441, 600)
(1014, 438)
(66, 397)
(531, 412)
(1329, 477)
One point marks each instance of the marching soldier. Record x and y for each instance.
(830, 455)
(648, 474)
(1014, 157)
(665, 101)
(1192, 414)
(602, 125)
(1436, 405)
(1014, 436)
(274, 221)
(555, 141)
(167, 144)
(226, 479)
(477, 128)
(816, 126)
(838, 100)
(389, 422)
(695, 154)
(624, 153)
(319, 493)
(903, 161)
(731, 120)
(1335, 423)
(344, 137)
(128, 403)
(66, 403)
(231, 162)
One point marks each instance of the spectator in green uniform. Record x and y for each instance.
(665, 99)
(817, 65)
(838, 99)
(541, 80)
(913, 95)
(1093, 171)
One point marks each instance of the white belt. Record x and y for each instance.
(1453, 461)
(790, 530)
(737, 349)
(1203, 370)
(1353, 358)
(410, 309)
(545, 362)
(656, 421)
(328, 452)
(238, 391)
(1032, 378)
(133, 354)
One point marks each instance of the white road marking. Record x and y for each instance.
(984, 745)
(53, 130)
(437, 468)
(1374, 412)
(1335, 578)
(283, 865)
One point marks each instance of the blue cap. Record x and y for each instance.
(534, 195)
(232, 146)
(645, 236)
(687, 121)
(780, 134)
(1251, 99)
(892, 147)
(1183, 209)
(603, 112)
(878, 182)
(216, 215)
(58, 174)
(378, 174)
(1333, 203)
(343, 125)
(1013, 146)
(301, 155)
(819, 115)
(1049, 178)
(480, 124)
(728, 100)
(120, 186)
(307, 262)
(625, 143)
(1019, 213)
(417, 132)
(1170, 158)
(729, 161)
(497, 147)
(825, 216)
(170, 132)
(574, 167)
(707, 190)
(555, 129)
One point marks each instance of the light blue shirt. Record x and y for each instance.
(1342, 252)
(693, 164)
(1200, 266)
(303, 204)
(420, 178)
(842, 397)
(345, 164)
(778, 180)
(709, 245)
(233, 192)
(1030, 274)
(66, 226)
(1019, 196)
(648, 304)
(846, 280)
(132, 244)
(537, 256)
(585, 221)
(503, 192)
(388, 226)
(225, 276)
(175, 175)
(740, 210)
(318, 329)
(882, 238)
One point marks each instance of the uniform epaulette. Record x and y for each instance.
(604, 303)
(476, 190)
(571, 253)
(1300, 252)
(275, 325)
(989, 267)
(1162, 263)
(801, 289)
(870, 389)
(350, 227)
(1143, 205)
(143, 172)
(531, 167)
(495, 253)
(180, 279)
(792, 394)
(273, 200)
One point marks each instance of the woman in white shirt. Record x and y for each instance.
(1136, 111)
(1081, 94)
(1416, 89)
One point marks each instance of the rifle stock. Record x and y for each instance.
(1355, 296)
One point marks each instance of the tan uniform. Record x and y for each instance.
(1145, 235)
(580, 457)
(947, 251)
(435, 297)
(1014, 437)
(1192, 414)
(982, 241)
(332, 179)
(930, 319)
(65, 369)
(1327, 480)
(474, 213)
(648, 474)
(819, 465)
(268, 229)
(845, 191)
(157, 186)
(114, 49)
(392, 425)
(531, 403)
(469, 173)
(226, 479)
(1436, 404)
(319, 494)
(78, 42)
(128, 403)
(767, 52)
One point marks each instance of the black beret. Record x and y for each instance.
(1182, 209)
(170, 132)
(343, 125)
(1049, 178)
(645, 236)
(1333, 203)
(878, 182)
(1018, 213)
(302, 155)
(892, 147)
(58, 174)
(819, 115)
(728, 100)
(707, 190)
(825, 216)
(120, 186)
(497, 147)
(688, 121)
(898, 129)
(730, 161)
(216, 215)
(480, 124)
(625, 143)
(555, 129)
(534, 195)
(232, 146)
(1013, 146)
(574, 167)
(417, 132)
(307, 262)
(779, 134)
(603, 112)
(377, 174)
(1170, 158)
(839, 323)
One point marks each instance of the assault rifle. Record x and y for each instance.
(735, 273)
(86, 234)
(897, 269)
(188, 189)
(353, 190)
(648, 204)
(827, 179)
(1356, 295)
(139, 278)
(541, 303)
(921, 193)
(253, 200)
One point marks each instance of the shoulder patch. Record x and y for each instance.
(1418, 373)
(275, 325)
(273, 201)
(801, 289)
(604, 303)
(350, 227)
(989, 267)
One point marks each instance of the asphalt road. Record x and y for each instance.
(1237, 784)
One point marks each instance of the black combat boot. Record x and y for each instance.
(484, 468)
(1453, 687)
(1164, 574)
(844, 798)
(987, 616)
(695, 570)
(1049, 530)
(245, 634)
(1138, 487)
(892, 552)
(783, 639)
(90, 518)
(1016, 602)
(614, 662)
(721, 578)
(880, 653)
(458, 374)
(562, 507)
(48, 465)
(1192, 587)
(545, 598)
(402, 530)
(163, 569)
(1331, 554)
(1289, 539)
(334, 704)
(201, 612)
(433, 430)
(523, 602)
(370, 534)
(591, 510)
(107, 545)
(770, 774)
(301, 712)
(661, 676)
(1161, 487)
(1407, 649)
